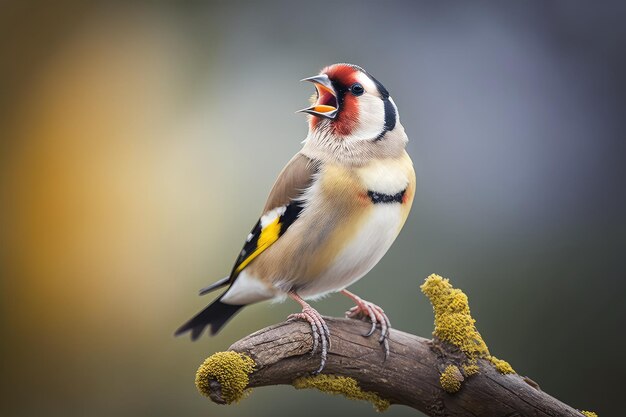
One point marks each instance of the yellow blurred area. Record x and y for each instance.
(108, 217)
(94, 184)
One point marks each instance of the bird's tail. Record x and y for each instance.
(214, 315)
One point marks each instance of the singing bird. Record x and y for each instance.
(333, 212)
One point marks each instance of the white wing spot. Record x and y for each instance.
(271, 215)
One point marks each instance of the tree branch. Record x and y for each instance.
(433, 376)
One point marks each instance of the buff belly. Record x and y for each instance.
(338, 238)
(356, 258)
(361, 254)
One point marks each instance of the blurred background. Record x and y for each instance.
(138, 143)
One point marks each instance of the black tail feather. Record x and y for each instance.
(214, 315)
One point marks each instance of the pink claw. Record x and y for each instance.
(366, 309)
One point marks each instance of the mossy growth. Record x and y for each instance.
(589, 413)
(470, 369)
(230, 369)
(454, 324)
(451, 379)
(501, 366)
(346, 386)
(453, 321)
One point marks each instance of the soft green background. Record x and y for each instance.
(139, 143)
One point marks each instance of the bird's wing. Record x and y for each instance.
(281, 210)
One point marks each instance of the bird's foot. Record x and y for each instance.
(319, 330)
(370, 311)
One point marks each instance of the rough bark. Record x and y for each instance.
(410, 376)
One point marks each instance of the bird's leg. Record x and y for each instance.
(368, 310)
(319, 329)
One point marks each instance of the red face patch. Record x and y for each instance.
(342, 76)
(342, 73)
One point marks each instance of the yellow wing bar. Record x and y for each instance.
(269, 235)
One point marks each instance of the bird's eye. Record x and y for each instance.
(357, 89)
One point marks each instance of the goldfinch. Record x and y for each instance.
(331, 215)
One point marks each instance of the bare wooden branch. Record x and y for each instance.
(410, 376)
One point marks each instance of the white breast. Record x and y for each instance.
(384, 177)
(364, 251)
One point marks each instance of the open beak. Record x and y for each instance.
(326, 104)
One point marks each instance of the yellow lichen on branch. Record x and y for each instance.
(501, 366)
(470, 369)
(589, 413)
(230, 369)
(454, 324)
(346, 386)
(451, 379)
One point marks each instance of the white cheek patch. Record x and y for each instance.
(371, 119)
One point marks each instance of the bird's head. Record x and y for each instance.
(350, 105)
